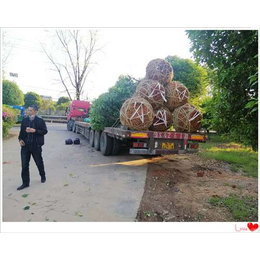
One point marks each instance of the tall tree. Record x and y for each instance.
(12, 95)
(78, 53)
(47, 105)
(233, 58)
(63, 100)
(32, 98)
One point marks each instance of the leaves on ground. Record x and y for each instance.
(78, 213)
(26, 208)
(25, 195)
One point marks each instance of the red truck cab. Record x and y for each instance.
(77, 110)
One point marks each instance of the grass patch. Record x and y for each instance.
(242, 209)
(234, 153)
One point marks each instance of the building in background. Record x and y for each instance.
(46, 97)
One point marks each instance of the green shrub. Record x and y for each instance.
(9, 117)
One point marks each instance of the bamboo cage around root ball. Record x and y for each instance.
(163, 119)
(187, 118)
(160, 70)
(137, 114)
(152, 91)
(176, 95)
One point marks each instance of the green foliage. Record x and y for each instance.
(32, 98)
(207, 109)
(12, 95)
(105, 109)
(62, 100)
(47, 107)
(48, 104)
(62, 106)
(9, 118)
(233, 58)
(242, 209)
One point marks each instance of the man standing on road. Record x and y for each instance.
(31, 138)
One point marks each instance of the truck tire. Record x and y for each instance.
(116, 146)
(97, 140)
(70, 125)
(106, 144)
(92, 138)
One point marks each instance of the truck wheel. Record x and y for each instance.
(106, 144)
(92, 138)
(97, 140)
(70, 125)
(116, 146)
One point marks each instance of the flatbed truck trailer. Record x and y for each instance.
(112, 139)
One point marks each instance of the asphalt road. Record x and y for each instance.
(82, 184)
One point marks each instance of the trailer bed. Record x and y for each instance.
(140, 142)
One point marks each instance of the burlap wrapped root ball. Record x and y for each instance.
(152, 91)
(187, 118)
(160, 70)
(137, 114)
(176, 95)
(162, 119)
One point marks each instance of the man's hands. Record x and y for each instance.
(22, 143)
(30, 130)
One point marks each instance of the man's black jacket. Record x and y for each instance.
(40, 128)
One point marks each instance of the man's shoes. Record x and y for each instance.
(43, 179)
(23, 186)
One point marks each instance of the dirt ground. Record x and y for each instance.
(179, 187)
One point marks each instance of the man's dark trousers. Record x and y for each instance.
(36, 152)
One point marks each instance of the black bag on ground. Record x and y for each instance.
(68, 141)
(77, 141)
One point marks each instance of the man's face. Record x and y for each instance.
(31, 111)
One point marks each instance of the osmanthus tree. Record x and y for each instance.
(105, 109)
(232, 57)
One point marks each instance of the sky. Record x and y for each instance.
(124, 52)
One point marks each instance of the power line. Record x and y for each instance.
(18, 39)
(19, 46)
